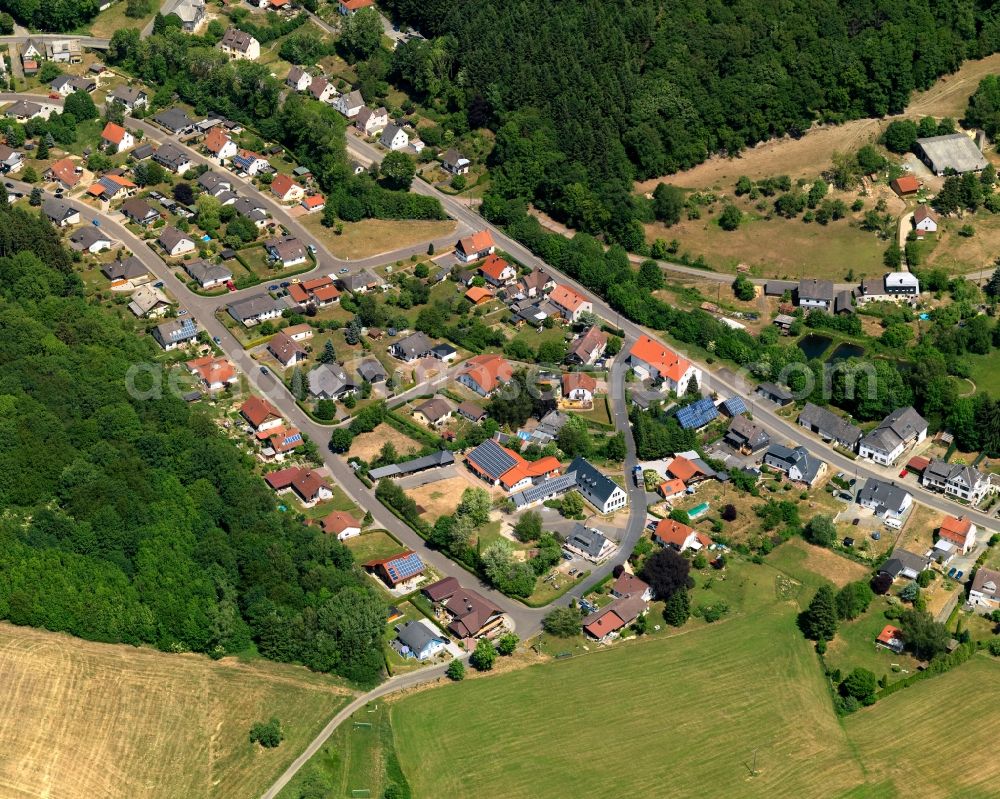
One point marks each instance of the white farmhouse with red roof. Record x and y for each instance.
(651, 360)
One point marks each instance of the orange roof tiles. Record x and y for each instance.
(955, 529)
(566, 297)
(313, 201)
(607, 623)
(326, 293)
(488, 371)
(478, 294)
(297, 293)
(888, 634)
(493, 267)
(670, 488)
(282, 184)
(683, 468)
(113, 133)
(213, 370)
(258, 410)
(575, 380)
(477, 242)
(65, 172)
(316, 283)
(525, 469)
(668, 363)
(338, 521)
(216, 140)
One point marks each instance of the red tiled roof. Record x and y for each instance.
(355, 5)
(575, 380)
(488, 371)
(672, 532)
(313, 201)
(567, 297)
(113, 133)
(65, 172)
(607, 623)
(216, 140)
(493, 267)
(282, 184)
(683, 468)
(316, 283)
(669, 488)
(888, 634)
(338, 521)
(477, 242)
(297, 293)
(918, 463)
(213, 370)
(258, 410)
(955, 529)
(907, 184)
(668, 363)
(628, 583)
(478, 294)
(326, 293)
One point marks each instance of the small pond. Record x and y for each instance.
(845, 351)
(814, 345)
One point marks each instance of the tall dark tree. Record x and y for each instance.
(666, 571)
(819, 620)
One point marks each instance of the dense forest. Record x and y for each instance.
(586, 96)
(53, 15)
(136, 521)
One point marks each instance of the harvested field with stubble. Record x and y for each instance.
(84, 720)
(368, 445)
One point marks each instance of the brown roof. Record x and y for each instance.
(628, 583)
(258, 410)
(907, 184)
(594, 339)
(338, 521)
(469, 612)
(442, 589)
(434, 408)
(477, 242)
(283, 348)
(575, 380)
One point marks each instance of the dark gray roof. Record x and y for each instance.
(492, 459)
(744, 432)
(586, 539)
(204, 272)
(58, 210)
(130, 268)
(171, 156)
(785, 458)
(242, 310)
(882, 495)
(329, 379)
(87, 237)
(442, 457)
(414, 345)
(170, 237)
(903, 424)
(776, 391)
(372, 371)
(173, 119)
(775, 288)
(143, 151)
(434, 409)
(901, 559)
(829, 425)
(138, 209)
(127, 94)
(416, 635)
(236, 39)
(817, 290)
(592, 481)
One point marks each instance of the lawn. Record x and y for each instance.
(985, 374)
(88, 719)
(372, 545)
(855, 646)
(778, 247)
(114, 18)
(956, 253)
(945, 760)
(600, 413)
(376, 236)
(692, 708)
(353, 759)
(368, 445)
(812, 566)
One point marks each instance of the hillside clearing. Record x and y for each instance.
(84, 720)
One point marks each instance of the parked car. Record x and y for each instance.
(230, 285)
(285, 285)
(263, 370)
(856, 522)
(958, 575)
(343, 270)
(951, 572)
(182, 312)
(96, 222)
(311, 248)
(216, 339)
(273, 287)
(903, 473)
(158, 284)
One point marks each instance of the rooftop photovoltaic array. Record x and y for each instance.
(403, 568)
(697, 414)
(735, 406)
(491, 458)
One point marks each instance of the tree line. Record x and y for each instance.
(137, 521)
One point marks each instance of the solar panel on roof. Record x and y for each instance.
(492, 459)
(404, 568)
(735, 406)
(545, 489)
(697, 414)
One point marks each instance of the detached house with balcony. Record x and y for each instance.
(957, 480)
(239, 45)
(902, 428)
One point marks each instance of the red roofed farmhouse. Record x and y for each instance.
(116, 139)
(497, 271)
(260, 414)
(484, 374)
(571, 303)
(652, 361)
(475, 247)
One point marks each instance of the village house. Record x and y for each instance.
(261, 415)
(172, 157)
(957, 480)
(534, 284)
(597, 488)
(905, 185)
(218, 143)
(207, 274)
(127, 273)
(111, 187)
(139, 212)
(893, 287)
(680, 536)
(890, 638)
(287, 250)
(400, 572)
(475, 247)
(190, 13)
(453, 162)
(671, 489)
(313, 203)
(900, 429)
(959, 531)
(90, 239)
(496, 271)
(886, 500)
(579, 387)
(286, 189)
(815, 294)
(308, 485)
(745, 436)
(362, 282)
(433, 412)
(174, 119)
(570, 303)
(214, 373)
(256, 309)
(394, 138)
(65, 172)
(341, 524)
(467, 613)
(329, 381)
(23, 110)
(11, 160)
(417, 640)
(349, 104)
(627, 584)
(485, 373)
(650, 360)
(830, 427)
(116, 139)
(148, 302)
(588, 543)
(175, 242)
(924, 221)
(298, 79)
(905, 564)
(277, 443)
(796, 463)
(323, 90)
(586, 349)
(691, 470)
(130, 97)
(60, 213)
(239, 45)
(285, 351)
(250, 163)
(500, 466)
(175, 333)
(372, 122)
(479, 295)
(985, 589)
(414, 346)
(772, 392)
(351, 7)
(605, 624)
